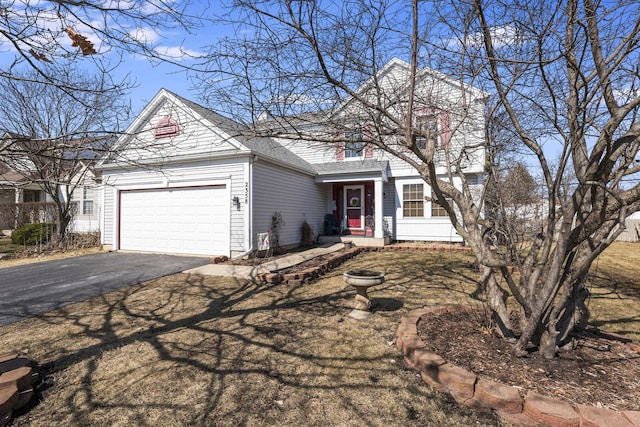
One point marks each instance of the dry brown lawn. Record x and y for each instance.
(193, 350)
(26, 257)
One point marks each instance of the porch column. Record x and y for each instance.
(18, 195)
(378, 193)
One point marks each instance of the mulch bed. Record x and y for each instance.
(600, 371)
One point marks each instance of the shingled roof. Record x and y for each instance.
(353, 167)
(260, 145)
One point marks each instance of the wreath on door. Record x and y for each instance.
(354, 202)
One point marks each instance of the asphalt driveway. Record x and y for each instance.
(33, 289)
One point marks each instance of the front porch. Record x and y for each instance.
(357, 240)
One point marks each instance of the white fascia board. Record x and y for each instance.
(187, 158)
(367, 176)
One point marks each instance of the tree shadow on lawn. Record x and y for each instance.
(614, 302)
(195, 350)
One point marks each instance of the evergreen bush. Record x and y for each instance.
(33, 234)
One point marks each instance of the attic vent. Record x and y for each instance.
(166, 127)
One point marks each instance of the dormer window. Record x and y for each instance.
(166, 127)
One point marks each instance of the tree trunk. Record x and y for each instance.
(496, 298)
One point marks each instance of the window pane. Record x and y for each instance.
(353, 149)
(412, 208)
(427, 126)
(437, 210)
(87, 207)
(412, 200)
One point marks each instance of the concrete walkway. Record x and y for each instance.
(252, 272)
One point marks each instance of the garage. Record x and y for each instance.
(191, 220)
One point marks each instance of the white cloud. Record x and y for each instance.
(145, 35)
(501, 35)
(177, 53)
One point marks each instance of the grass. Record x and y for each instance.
(194, 350)
(615, 291)
(6, 247)
(21, 254)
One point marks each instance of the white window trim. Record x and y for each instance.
(399, 185)
(80, 201)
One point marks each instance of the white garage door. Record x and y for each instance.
(191, 220)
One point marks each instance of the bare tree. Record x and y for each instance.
(512, 205)
(564, 82)
(53, 137)
(91, 34)
(61, 91)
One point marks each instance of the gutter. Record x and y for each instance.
(159, 161)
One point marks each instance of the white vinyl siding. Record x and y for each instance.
(433, 230)
(389, 206)
(295, 195)
(108, 216)
(89, 222)
(311, 152)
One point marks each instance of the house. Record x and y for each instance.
(631, 232)
(23, 198)
(187, 180)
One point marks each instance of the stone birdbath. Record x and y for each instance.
(362, 280)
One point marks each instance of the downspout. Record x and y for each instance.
(249, 210)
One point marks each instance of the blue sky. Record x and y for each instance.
(47, 36)
(180, 47)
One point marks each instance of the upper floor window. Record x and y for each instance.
(354, 146)
(82, 198)
(426, 129)
(413, 200)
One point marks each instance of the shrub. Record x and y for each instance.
(32, 234)
(277, 222)
(81, 240)
(16, 215)
(307, 234)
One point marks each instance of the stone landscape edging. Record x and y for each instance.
(17, 382)
(485, 394)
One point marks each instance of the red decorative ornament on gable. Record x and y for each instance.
(165, 128)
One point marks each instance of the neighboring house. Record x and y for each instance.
(17, 188)
(188, 180)
(631, 232)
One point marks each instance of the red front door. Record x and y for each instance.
(354, 206)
